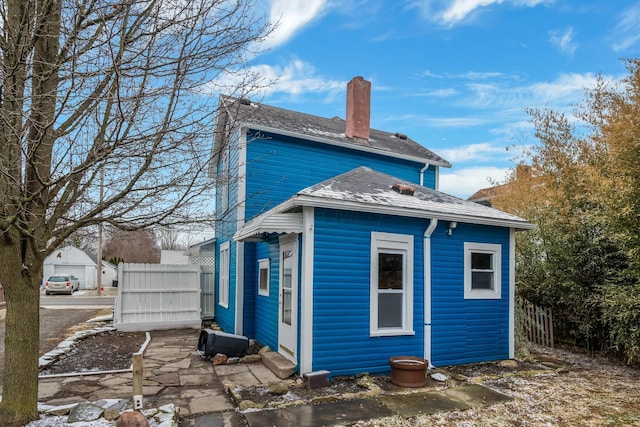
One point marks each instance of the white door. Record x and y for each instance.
(288, 299)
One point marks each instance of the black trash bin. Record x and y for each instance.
(213, 342)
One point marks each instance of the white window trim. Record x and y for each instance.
(391, 243)
(264, 264)
(225, 268)
(488, 248)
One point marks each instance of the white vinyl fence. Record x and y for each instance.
(157, 296)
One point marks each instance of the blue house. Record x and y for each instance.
(335, 247)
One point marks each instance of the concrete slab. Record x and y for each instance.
(202, 405)
(190, 379)
(431, 402)
(245, 379)
(168, 379)
(200, 370)
(222, 370)
(48, 389)
(262, 373)
(476, 395)
(329, 414)
(115, 381)
(180, 364)
(206, 420)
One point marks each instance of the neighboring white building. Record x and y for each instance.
(71, 260)
(168, 256)
(109, 274)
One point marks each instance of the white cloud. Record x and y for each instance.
(627, 32)
(476, 152)
(463, 182)
(299, 77)
(450, 13)
(564, 41)
(567, 89)
(294, 78)
(290, 16)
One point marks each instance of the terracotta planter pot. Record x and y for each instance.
(408, 371)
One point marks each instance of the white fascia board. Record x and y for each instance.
(406, 212)
(269, 129)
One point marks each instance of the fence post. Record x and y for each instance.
(137, 380)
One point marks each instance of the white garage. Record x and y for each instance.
(71, 260)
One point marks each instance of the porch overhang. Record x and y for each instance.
(255, 230)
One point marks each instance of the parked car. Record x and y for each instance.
(61, 283)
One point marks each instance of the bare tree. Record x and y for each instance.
(104, 117)
(169, 238)
(131, 246)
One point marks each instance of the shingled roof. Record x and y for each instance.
(237, 112)
(366, 190)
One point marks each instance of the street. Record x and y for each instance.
(76, 301)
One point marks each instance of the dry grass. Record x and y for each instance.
(585, 391)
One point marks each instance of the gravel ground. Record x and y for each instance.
(584, 391)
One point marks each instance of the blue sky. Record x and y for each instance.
(454, 75)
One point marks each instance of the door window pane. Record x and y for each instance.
(287, 268)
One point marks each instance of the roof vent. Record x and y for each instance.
(400, 135)
(403, 189)
(245, 101)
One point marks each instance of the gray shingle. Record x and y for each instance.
(265, 117)
(366, 187)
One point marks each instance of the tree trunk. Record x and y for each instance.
(20, 388)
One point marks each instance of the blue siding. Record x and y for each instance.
(225, 228)
(250, 289)
(341, 341)
(278, 167)
(465, 331)
(266, 308)
(225, 317)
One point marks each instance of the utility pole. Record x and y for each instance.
(99, 281)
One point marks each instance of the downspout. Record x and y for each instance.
(426, 239)
(426, 166)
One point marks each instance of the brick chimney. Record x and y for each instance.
(358, 108)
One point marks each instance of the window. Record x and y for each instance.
(482, 263)
(264, 272)
(391, 284)
(223, 185)
(223, 296)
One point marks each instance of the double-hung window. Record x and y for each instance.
(391, 284)
(223, 292)
(482, 265)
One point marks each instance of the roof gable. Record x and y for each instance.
(234, 113)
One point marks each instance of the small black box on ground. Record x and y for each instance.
(213, 342)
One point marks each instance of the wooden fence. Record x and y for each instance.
(538, 324)
(157, 296)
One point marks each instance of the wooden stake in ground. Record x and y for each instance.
(137, 381)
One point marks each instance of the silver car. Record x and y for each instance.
(61, 283)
